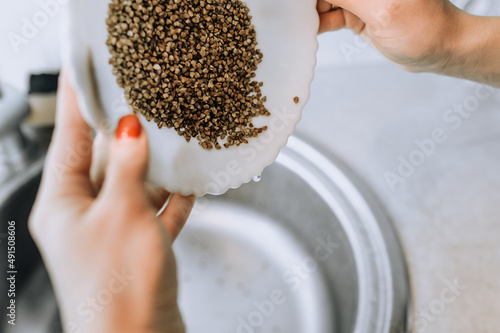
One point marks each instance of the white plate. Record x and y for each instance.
(286, 33)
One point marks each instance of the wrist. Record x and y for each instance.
(472, 49)
(449, 33)
(434, 45)
(460, 43)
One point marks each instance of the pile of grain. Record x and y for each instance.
(189, 65)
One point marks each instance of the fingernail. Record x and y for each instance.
(129, 127)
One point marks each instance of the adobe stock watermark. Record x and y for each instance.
(87, 310)
(454, 118)
(436, 307)
(350, 50)
(31, 26)
(293, 277)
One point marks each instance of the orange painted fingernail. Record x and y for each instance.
(129, 127)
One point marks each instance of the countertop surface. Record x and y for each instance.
(443, 135)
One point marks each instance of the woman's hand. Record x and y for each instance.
(412, 33)
(108, 254)
(422, 35)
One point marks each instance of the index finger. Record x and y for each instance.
(70, 154)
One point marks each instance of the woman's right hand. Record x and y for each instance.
(422, 35)
(416, 34)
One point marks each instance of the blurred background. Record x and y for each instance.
(420, 152)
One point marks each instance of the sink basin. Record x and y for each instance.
(305, 249)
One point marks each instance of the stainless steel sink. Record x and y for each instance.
(305, 249)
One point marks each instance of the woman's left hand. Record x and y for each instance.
(108, 254)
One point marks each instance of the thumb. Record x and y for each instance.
(128, 159)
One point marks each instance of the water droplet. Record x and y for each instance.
(257, 178)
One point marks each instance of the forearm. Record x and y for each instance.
(475, 49)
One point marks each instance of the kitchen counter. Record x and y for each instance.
(445, 198)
